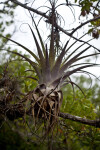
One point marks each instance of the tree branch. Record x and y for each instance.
(60, 28)
(16, 111)
(95, 123)
(94, 19)
(29, 8)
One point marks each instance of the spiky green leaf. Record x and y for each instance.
(40, 38)
(72, 60)
(56, 67)
(35, 57)
(38, 49)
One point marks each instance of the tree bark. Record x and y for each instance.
(95, 123)
(16, 111)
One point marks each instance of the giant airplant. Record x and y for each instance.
(53, 69)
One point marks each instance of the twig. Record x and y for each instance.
(94, 19)
(60, 28)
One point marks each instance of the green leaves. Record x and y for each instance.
(79, 135)
(56, 68)
(41, 57)
(72, 60)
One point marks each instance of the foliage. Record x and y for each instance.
(91, 7)
(16, 141)
(67, 135)
(6, 20)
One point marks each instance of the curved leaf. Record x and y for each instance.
(67, 74)
(56, 67)
(33, 64)
(38, 48)
(40, 38)
(36, 58)
(72, 60)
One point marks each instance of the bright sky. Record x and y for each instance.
(23, 34)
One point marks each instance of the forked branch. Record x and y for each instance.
(59, 27)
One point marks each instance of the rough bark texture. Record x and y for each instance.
(95, 123)
(13, 112)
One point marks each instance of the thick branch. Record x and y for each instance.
(37, 12)
(16, 111)
(60, 28)
(29, 8)
(47, 17)
(95, 123)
